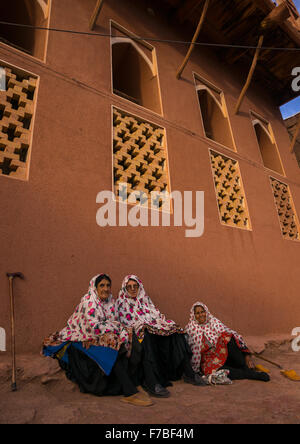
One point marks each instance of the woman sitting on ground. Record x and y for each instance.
(166, 354)
(94, 347)
(216, 347)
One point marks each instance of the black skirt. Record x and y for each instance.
(90, 378)
(165, 359)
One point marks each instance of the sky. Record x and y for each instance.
(293, 107)
(297, 3)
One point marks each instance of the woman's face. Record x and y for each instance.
(200, 314)
(104, 289)
(132, 288)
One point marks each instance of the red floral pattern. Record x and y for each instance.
(209, 341)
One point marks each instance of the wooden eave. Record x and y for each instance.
(238, 22)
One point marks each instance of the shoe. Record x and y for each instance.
(197, 380)
(158, 391)
(262, 376)
(138, 399)
(258, 376)
(143, 393)
(260, 368)
(290, 374)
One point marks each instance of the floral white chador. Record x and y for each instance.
(140, 312)
(94, 321)
(209, 341)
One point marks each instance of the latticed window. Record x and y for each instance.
(139, 158)
(17, 107)
(285, 208)
(230, 193)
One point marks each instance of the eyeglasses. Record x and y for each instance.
(132, 287)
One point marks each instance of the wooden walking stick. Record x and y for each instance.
(11, 277)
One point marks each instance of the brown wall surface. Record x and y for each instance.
(48, 229)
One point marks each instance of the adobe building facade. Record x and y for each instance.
(81, 114)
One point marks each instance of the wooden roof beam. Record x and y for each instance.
(187, 9)
(96, 13)
(250, 75)
(277, 16)
(192, 45)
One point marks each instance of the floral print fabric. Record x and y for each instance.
(94, 321)
(140, 312)
(209, 341)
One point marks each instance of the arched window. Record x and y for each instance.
(134, 73)
(214, 114)
(267, 145)
(27, 12)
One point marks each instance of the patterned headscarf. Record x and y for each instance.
(210, 331)
(140, 312)
(92, 319)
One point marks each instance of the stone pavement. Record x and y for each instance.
(45, 396)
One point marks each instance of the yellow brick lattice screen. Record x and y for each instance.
(287, 216)
(140, 158)
(17, 104)
(230, 194)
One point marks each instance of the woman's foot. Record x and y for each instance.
(258, 376)
(138, 399)
(158, 391)
(262, 376)
(196, 380)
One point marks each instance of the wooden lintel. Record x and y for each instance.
(192, 45)
(250, 75)
(297, 132)
(96, 13)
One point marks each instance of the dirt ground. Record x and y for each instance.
(45, 396)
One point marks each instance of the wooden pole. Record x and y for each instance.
(96, 13)
(13, 340)
(250, 75)
(192, 45)
(293, 143)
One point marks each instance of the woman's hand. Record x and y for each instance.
(86, 345)
(249, 362)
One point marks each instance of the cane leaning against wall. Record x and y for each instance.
(11, 277)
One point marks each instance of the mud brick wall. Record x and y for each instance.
(17, 106)
(140, 158)
(287, 215)
(229, 191)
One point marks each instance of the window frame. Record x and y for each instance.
(45, 52)
(254, 116)
(153, 65)
(207, 85)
